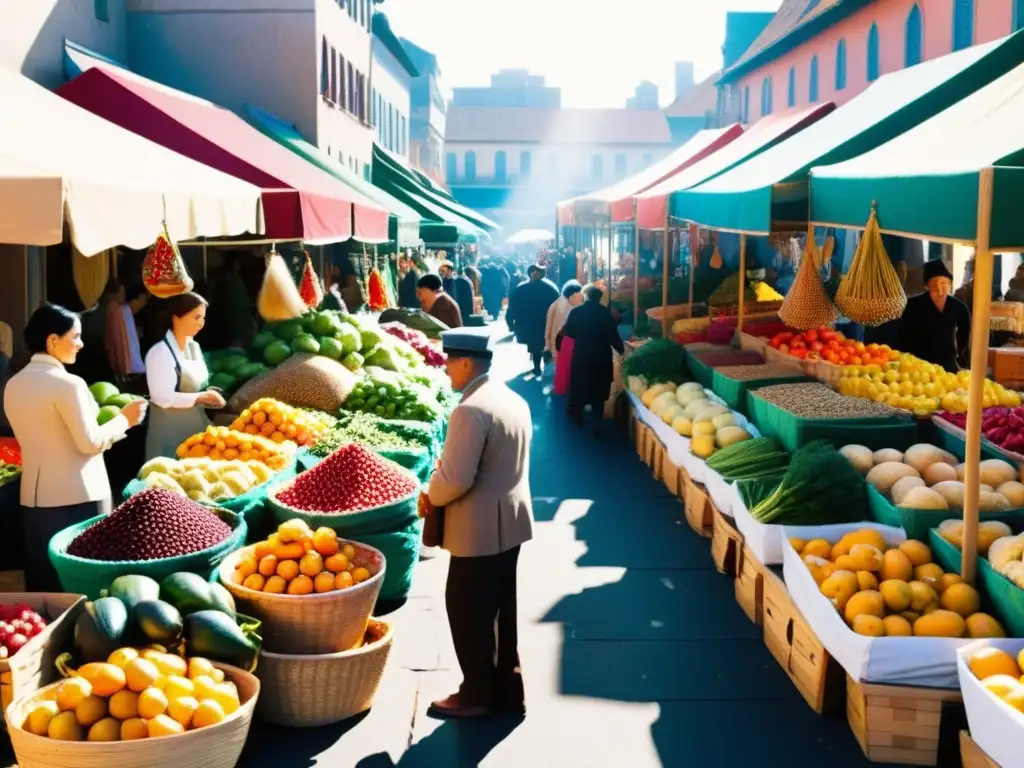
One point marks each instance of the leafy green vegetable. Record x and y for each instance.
(751, 458)
(658, 357)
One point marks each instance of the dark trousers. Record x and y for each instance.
(39, 525)
(480, 598)
(537, 358)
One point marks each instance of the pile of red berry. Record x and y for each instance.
(18, 624)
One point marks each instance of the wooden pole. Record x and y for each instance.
(693, 269)
(743, 281)
(636, 273)
(983, 268)
(665, 326)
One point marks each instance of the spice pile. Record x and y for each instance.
(816, 401)
(352, 478)
(153, 524)
(366, 429)
(755, 372)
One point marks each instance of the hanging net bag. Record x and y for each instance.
(806, 304)
(279, 299)
(871, 293)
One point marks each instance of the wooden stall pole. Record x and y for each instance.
(636, 273)
(743, 281)
(665, 326)
(983, 268)
(693, 269)
(205, 264)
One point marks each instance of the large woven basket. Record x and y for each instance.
(333, 686)
(216, 746)
(324, 622)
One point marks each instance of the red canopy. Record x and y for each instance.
(300, 201)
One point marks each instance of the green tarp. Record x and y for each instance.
(926, 181)
(773, 186)
(403, 223)
(382, 157)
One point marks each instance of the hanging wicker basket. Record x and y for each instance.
(806, 304)
(871, 292)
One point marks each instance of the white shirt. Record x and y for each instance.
(53, 416)
(162, 375)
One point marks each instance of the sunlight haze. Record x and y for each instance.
(597, 53)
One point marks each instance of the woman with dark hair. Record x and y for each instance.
(56, 422)
(592, 329)
(177, 377)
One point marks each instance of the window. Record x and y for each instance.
(373, 106)
(362, 97)
(873, 63)
(351, 92)
(100, 10)
(343, 100)
(500, 165)
(525, 164)
(812, 86)
(402, 142)
(620, 166)
(334, 76)
(325, 70)
(471, 166)
(451, 166)
(596, 167)
(963, 24)
(841, 65)
(745, 112)
(791, 88)
(914, 33)
(766, 96)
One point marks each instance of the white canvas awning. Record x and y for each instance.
(60, 163)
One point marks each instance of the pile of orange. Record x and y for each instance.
(296, 560)
(278, 422)
(222, 443)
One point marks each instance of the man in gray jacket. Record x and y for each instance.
(482, 485)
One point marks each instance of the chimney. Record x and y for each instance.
(684, 78)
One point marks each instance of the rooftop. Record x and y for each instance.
(383, 32)
(530, 125)
(697, 101)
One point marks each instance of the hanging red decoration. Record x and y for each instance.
(309, 287)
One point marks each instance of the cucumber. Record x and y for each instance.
(159, 622)
(216, 636)
(132, 590)
(189, 592)
(100, 628)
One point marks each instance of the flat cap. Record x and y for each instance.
(467, 342)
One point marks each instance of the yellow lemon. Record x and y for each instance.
(91, 710)
(209, 712)
(162, 725)
(176, 687)
(203, 687)
(122, 656)
(72, 692)
(141, 674)
(107, 729)
(218, 675)
(124, 705)
(182, 709)
(64, 727)
(197, 666)
(170, 665)
(39, 717)
(226, 695)
(152, 702)
(134, 728)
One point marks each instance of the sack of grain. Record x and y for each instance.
(279, 297)
(303, 381)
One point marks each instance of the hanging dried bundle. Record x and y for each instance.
(90, 275)
(806, 304)
(716, 256)
(827, 250)
(871, 293)
(279, 299)
(310, 289)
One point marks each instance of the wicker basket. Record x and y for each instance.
(325, 622)
(334, 686)
(216, 746)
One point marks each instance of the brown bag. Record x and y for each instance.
(433, 528)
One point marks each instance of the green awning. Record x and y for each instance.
(773, 186)
(926, 181)
(403, 222)
(381, 156)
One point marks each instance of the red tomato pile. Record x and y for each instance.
(832, 346)
(18, 624)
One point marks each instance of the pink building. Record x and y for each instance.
(831, 50)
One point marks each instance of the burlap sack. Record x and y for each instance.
(303, 381)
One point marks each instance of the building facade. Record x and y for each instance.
(831, 50)
(391, 79)
(429, 114)
(510, 88)
(515, 163)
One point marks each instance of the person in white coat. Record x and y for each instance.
(177, 378)
(54, 418)
(558, 313)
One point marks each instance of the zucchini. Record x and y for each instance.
(159, 622)
(216, 636)
(100, 628)
(132, 590)
(189, 592)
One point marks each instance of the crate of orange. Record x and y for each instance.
(312, 591)
(225, 444)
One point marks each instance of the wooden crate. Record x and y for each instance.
(897, 724)
(972, 756)
(698, 509)
(34, 665)
(672, 475)
(642, 435)
(658, 457)
(726, 543)
(777, 618)
(750, 585)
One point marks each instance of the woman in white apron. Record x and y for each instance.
(177, 378)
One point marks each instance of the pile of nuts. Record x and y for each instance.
(754, 372)
(816, 401)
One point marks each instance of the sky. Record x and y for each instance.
(597, 52)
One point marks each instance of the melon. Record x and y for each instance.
(885, 475)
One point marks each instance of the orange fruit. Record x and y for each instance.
(275, 585)
(287, 569)
(325, 541)
(300, 585)
(348, 551)
(255, 582)
(336, 563)
(993, 661)
(268, 565)
(343, 580)
(360, 574)
(311, 564)
(324, 581)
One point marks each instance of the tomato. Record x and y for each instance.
(784, 348)
(832, 357)
(817, 346)
(799, 352)
(827, 334)
(811, 335)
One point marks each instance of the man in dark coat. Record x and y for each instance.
(528, 313)
(447, 273)
(592, 328)
(494, 289)
(462, 292)
(936, 326)
(436, 303)
(407, 285)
